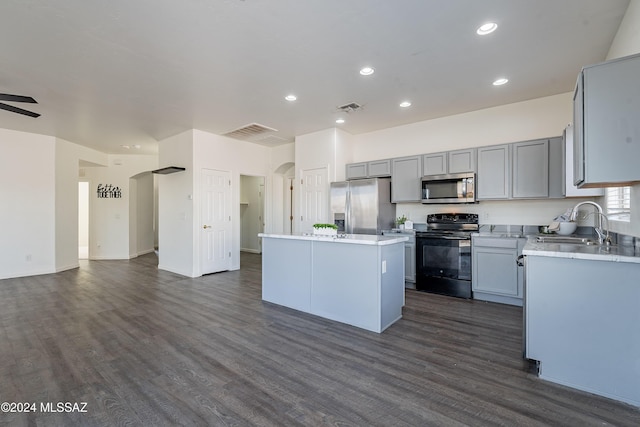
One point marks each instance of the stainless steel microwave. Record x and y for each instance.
(451, 188)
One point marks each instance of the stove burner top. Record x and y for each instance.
(448, 224)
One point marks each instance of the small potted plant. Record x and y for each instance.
(400, 221)
(325, 229)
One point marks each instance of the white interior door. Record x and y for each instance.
(314, 203)
(215, 240)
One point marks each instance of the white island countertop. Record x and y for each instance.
(356, 239)
(612, 253)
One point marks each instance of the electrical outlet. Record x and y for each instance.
(28, 258)
(384, 266)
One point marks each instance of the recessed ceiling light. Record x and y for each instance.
(137, 146)
(405, 104)
(487, 28)
(367, 71)
(340, 121)
(291, 98)
(125, 146)
(500, 81)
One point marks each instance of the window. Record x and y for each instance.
(618, 203)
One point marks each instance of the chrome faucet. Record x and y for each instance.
(603, 233)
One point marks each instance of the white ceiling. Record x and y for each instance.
(126, 72)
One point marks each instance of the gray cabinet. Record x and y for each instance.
(410, 262)
(434, 164)
(556, 168)
(458, 161)
(494, 172)
(569, 188)
(372, 169)
(461, 161)
(379, 168)
(607, 130)
(357, 170)
(406, 174)
(530, 169)
(495, 274)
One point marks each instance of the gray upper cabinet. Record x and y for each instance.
(569, 188)
(372, 169)
(357, 170)
(434, 164)
(606, 126)
(494, 172)
(461, 161)
(458, 161)
(556, 168)
(531, 169)
(405, 179)
(379, 168)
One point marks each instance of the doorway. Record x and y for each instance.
(83, 220)
(251, 213)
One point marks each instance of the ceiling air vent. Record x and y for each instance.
(351, 107)
(250, 132)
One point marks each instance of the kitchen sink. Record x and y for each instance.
(566, 239)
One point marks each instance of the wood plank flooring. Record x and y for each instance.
(147, 347)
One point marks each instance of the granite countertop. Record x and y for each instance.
(358, 239)
(613, 253)
(498, 234)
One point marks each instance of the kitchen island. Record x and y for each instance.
(582, 316)
(353, 279)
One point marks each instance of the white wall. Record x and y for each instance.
(141, 212)
(250, 212)
(627, 42)
(67, 163)
(83, 214)
(537, 118)
(330, 148)
(146, 233)
(110, 217)
(27, 207)
(240, 158)
(179, 194)
(282, 168)
(175, 208)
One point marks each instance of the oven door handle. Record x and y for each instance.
(445, 237)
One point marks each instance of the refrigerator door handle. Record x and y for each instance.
(347, 214)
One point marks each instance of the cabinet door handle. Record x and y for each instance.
(520, 261)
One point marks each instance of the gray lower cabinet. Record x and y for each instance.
(581, 324)
(606, 125)
(406, 175)
(496, 275)
(410, 263)
(530, 169)
(494, 172)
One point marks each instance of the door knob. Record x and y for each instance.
(206, 226)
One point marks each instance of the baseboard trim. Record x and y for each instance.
(253, 251)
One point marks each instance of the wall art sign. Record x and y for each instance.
(108, 191)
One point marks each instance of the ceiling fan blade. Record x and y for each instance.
(18, 110)
(17, 98)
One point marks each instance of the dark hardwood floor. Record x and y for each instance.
(147, 347)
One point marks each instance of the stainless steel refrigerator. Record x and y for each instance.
(362, 206)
